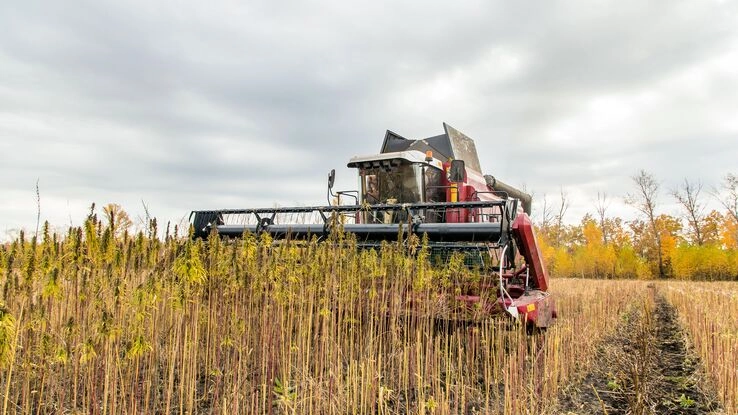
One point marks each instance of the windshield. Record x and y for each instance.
(399, 184)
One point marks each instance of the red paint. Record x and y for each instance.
(474, 187)
(522, 230)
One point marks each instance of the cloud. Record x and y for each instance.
(225, 104)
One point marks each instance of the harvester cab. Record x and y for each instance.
(432, 188)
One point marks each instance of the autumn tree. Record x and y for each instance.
(687, 194)
(644, 199)
(670, 229)
(617, 233)
(599, 258)
(694, 245)
(728, 230)
(712, 225)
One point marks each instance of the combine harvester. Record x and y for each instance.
(431, 187)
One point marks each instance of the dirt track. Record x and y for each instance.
(645, 367)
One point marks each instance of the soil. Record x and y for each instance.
(644, 367)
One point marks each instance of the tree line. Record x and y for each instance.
(695, 244)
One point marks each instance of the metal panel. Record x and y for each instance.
(522, 229)
(453, 144)
(394, 142)
(463, 148)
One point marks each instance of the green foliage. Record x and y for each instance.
(613, 385)
(686, 402)
(283, 392)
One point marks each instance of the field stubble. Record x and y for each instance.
(709, 313)
(646, 367)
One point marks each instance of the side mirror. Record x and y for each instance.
(457, 172)
(331, 178)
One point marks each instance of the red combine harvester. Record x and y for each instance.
(430, 187)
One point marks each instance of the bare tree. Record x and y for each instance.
(688, 196)
(729, 196)
(546, 214)
(729, 199)
(644, 199)
(563, 207)
(602, 205)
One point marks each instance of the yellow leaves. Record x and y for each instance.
(712, 226)
(630, 265)
(143, 300)
(729, 233)
(593, 259)
(592, 234)
(702, 262)
(188, 266)
(547, 251)
(248, 252)
(7, 336)
(138, 347)
(586, 252)
(562, 263)
(453, 272)
(430, 404)
(668, 228)
(87, 352)
(227, 342)
(52, 288)
(61, 356)
(178, 300)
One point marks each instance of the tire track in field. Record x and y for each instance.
(644, 367)
(682, 382)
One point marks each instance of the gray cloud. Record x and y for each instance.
(227, 104)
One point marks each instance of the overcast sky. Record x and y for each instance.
(187, 105)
